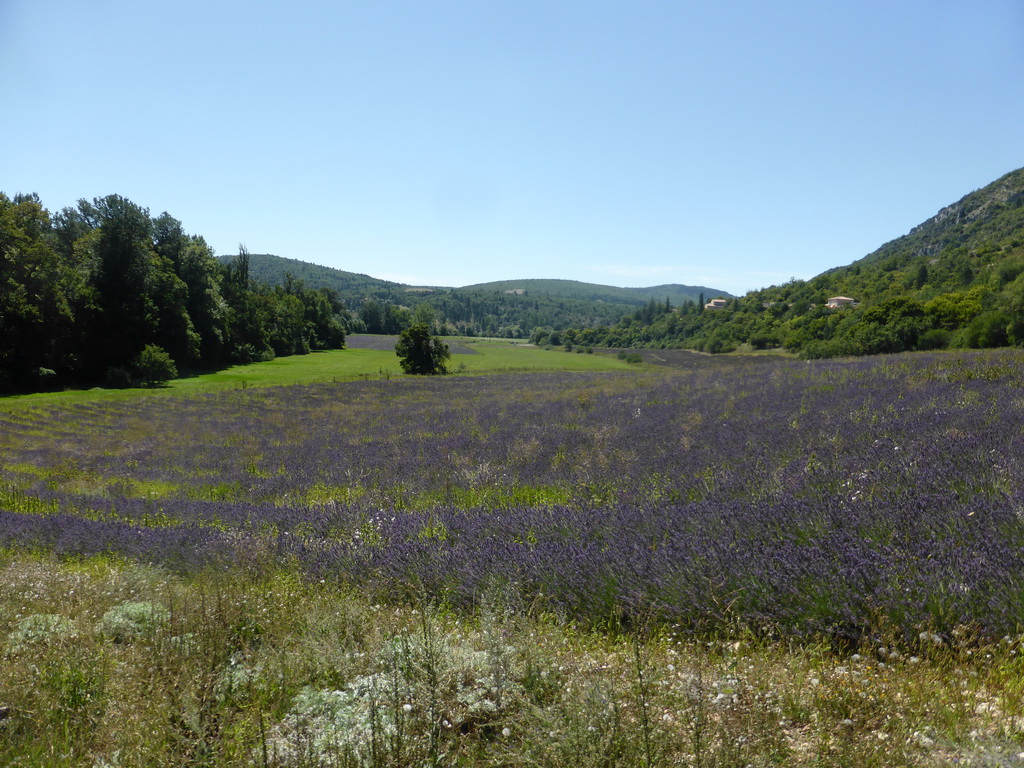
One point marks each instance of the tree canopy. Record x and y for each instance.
(88, 293)
(419, 353)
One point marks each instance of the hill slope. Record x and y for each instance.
(956, 246)
(956, 280)
(272, 269)
(512, 308)
(573, 289)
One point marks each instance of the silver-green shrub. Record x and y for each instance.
(328, 728)
(425, 686)
(40, 629)
(133, 621)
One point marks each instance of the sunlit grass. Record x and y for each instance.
(492, 356)
(496, 355)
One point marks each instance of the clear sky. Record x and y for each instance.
(732, 144)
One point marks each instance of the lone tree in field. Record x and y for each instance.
(154, 367)
(418, 353)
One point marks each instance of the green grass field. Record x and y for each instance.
(493, 356)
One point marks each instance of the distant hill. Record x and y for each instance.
(351, 285)
(512, 308)
(955, 280)
(573, 289)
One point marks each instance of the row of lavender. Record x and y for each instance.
(792, 567)
(765, 433)
(802, 497)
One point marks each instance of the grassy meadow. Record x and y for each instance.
(367, 357)
(702, 561)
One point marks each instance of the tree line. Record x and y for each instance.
(453, 312)
(99, 293)
(975, 302)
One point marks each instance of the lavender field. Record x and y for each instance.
(791, 498)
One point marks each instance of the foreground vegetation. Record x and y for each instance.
(111, 664)
(719, 561)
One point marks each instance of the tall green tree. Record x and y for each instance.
(40, 295)
(419, 353)
(85, 293)
(139, 299)
(122, 256)
(249, 316)
(201, 273)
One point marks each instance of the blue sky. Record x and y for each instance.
(732, 144)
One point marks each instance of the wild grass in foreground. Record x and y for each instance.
(109, 664)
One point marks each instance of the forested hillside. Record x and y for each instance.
(957, 280)
(574, 289)
(103, 293)
(507, 308)
(352, 287)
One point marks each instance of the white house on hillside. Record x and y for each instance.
(840, 301)
(716, 304)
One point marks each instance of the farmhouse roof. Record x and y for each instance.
(840, 301)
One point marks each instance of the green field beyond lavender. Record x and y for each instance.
(825, 504)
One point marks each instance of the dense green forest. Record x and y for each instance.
(957, 280)
(508, 308)
(103, 293)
